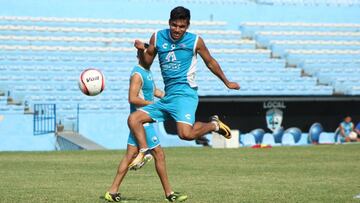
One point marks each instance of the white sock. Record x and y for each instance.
(143, 150)
(216, 125)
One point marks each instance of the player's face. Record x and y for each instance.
(348, 119)
(178, 28)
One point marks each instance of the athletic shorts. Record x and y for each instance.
(181, 108)
(152, 138)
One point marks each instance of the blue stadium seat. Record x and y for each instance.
(258, 135)
(268, 139)
(296, 132)
(326, 138)
(247, 140)
(277, 134)
(288, 139)
(304, 139)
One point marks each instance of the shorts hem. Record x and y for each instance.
(134, 145)
(185, 122)
(148, 114)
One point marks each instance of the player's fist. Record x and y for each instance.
(233, 85)
(139, 45)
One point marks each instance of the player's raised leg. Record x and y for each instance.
(221, 127)
(199, 129)
(112, 194)
(183, 108)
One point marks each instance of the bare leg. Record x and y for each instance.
(123, 168)
(135, 123)
(160, 166)
(199, 129)
(347, 139)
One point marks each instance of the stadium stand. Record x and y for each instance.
(304, 43)
(42, 56)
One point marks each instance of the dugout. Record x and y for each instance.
(248, 113)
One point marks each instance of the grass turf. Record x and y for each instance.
(284, 174)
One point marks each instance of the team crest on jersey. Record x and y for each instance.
(171, 56)
(154, 139)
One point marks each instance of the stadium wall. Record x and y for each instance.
(16, 134)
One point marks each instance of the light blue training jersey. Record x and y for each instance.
(148, 87)
(177, 61)
(347, 127)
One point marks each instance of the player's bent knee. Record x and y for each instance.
(133, 121)
(185, 136)
(138, 118)
(158, 154)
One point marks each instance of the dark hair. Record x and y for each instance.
(180, 13)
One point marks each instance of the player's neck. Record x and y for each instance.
(143, 66)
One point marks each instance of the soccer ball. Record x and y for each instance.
(352, 135)
(91, 82)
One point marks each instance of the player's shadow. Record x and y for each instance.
(129, 199)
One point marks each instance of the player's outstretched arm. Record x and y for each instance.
(213, 65)
(134, 89)
(148, 51)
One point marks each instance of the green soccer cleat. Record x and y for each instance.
(176, 197)
(223, 130)
(112, 197)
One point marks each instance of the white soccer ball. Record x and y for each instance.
(91, 82)
(353, 135)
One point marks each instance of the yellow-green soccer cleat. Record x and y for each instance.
(176, 197)
(223, 130)
(112, 197)
(148, 157)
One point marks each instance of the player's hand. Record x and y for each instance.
(139, 45)
(233, 85)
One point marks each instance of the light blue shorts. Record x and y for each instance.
(152, 138)
(181, 108)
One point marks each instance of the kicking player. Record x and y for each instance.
(177, 50)
(141, 93)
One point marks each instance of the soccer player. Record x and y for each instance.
(141, 93)
(346, 127)
(177, 50)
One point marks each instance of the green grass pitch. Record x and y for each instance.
(282, 174)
